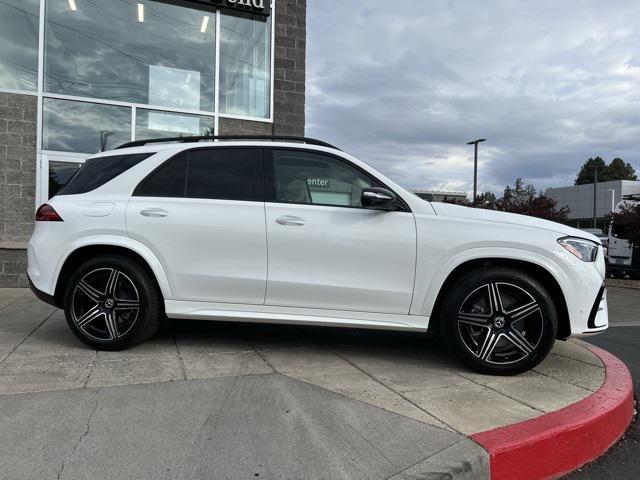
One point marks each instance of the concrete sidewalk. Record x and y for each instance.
(232, 400)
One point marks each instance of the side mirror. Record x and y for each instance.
(378, 199)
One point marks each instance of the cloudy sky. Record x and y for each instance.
(404, 84)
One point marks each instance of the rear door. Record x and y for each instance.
(202, 214)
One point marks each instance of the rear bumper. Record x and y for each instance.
(45, 297)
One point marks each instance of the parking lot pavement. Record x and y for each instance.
(264, 425)
(256, 397)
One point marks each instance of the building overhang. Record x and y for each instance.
(260, 8)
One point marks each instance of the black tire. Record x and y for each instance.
(112, 303)
(505, 334)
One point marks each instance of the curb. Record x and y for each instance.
(560, 442)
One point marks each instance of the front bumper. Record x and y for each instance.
(598, 320)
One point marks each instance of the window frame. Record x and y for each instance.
(270, 180)
(259, 191)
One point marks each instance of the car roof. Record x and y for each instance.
(200, 138)
(180, 146)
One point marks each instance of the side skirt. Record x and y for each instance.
(293, 316)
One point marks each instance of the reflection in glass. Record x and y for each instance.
(314, 178)
(19, 44)
(245, 66)
(155, 124)
(84, 127)
(101, 50)
(59, 175)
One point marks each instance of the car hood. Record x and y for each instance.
(458, 211)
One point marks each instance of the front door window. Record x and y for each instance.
(313, 178)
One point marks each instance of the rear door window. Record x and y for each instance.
(168, 180)
(95, 172)
(226, 174)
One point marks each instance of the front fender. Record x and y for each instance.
(129, 244)
(423, 304)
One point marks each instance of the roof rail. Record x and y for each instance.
(309, 141)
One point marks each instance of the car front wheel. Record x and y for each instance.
(112, 303)
(499, 321)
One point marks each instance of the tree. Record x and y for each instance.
(618, 169)
(586, 173)
(518, 193)
(627, 222)
(539, 206)
(522, 199)
(487, 200)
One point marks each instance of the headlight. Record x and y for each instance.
(585, 250)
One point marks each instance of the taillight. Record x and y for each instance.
(46, 213)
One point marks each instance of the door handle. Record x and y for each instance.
(290, 221)
(154, 213)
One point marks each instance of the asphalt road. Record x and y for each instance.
(623, 340)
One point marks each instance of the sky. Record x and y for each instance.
(404, 84)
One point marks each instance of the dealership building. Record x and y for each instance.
(83, 76)
(580, 201)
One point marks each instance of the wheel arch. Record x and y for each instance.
(535, 270)
(81, 253)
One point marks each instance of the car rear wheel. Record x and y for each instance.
(112, 303)
(499, 321)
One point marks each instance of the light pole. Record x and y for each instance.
(475, 168)
(595, 195)
(613, 200)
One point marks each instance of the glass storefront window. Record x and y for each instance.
(19, 44)
(154, 124)
(139, 52)
(245, 66)
(70, 126)
(59, 175)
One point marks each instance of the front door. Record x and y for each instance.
(202, 214)
(325, 250)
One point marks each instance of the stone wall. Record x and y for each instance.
(289, 68)
(232, 126)
(13, 268)
(18, 116)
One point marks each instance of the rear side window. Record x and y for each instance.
(216, 173)
(224, 173)
(168, 180)
(95, 172)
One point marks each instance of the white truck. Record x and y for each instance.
(624, 258)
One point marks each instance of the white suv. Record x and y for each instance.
(283, 231)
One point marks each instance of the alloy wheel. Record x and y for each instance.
(105, 304)
(501, 323)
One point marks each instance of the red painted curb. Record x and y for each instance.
(560, 442)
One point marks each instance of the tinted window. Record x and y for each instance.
(59, 174)
(166, 181)
(314, 178)
(96, 172)
(224, 173)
